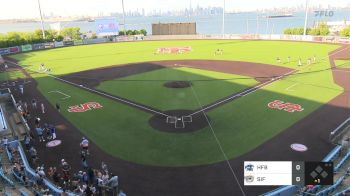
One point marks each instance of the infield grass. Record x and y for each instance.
(148, 88)
(240, 126)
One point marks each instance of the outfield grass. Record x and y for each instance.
(148, 88)
(75, 59)
(240, 126)
(342, 63)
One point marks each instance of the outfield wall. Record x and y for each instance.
(51, 45)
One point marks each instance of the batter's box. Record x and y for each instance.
(65, 96)
(171, 119)
(187, 118)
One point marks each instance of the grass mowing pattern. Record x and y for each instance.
(78, 58)
(147, 88)
(241, 125)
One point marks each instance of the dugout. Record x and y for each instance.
(174, 29)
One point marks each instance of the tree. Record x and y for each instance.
(322, 29)
(129, 32)
(72, 33)
(345, 32)
(143, 32)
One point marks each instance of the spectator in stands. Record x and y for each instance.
(121, 193)
(25, 105)
(46, 131)
(50, 172)
(91, 174)
(58, 107)
(42, 106)
(27, 142)
(21, 88)
(66, 171)
(88, 191)
(37, 121)
(34, 103)
(85, 178)
(53, 132)
(84, 144)
(104, 167)
(40, 133)
(84, 163)
(33, 154)
(5, 141)
(41, 171)
(55, 176)
(113, 183)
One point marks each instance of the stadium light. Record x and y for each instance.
(223, 21)
(306, 16)
(123, 18)
(41, 20)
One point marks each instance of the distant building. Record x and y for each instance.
(174, 29)
(336, 26)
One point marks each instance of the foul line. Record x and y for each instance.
(57, 91)
(217, 141)
(244, 93)
(293, 85)
(98, 92)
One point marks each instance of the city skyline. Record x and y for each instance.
(66, 8)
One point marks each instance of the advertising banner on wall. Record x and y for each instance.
(106, 27)
(78, 42)
(95, 41)
(4, 51)
(49, 45)
(15, 49)
(40, 46)
(68, 43)
(26, 48)
(58, 44)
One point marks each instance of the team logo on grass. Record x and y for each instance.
(53, 143)
(85, 107)
(174, 50)
(288, 107)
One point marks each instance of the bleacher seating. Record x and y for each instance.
(342, 162)
(331, 189)
(6, 179)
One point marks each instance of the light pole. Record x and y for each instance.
(123, 17)
(306, 17)
(41, 20)
(223, 21)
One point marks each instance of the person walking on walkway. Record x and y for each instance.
(34, 103)
(42, 108)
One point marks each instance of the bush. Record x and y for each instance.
(345, 32)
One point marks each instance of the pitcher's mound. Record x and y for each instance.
(178, 84)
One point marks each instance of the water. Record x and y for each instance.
(241, 23)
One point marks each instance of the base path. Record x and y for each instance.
(209, 180)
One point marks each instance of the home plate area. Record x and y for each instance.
(178, 121)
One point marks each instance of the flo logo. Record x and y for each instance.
(288, 107)
(85, 107)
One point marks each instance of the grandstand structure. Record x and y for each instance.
(16, 175)
(340, 156)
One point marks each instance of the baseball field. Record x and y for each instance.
(190, 109)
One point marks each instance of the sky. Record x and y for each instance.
(20, 9)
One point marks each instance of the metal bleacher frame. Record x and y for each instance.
(292, 189)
